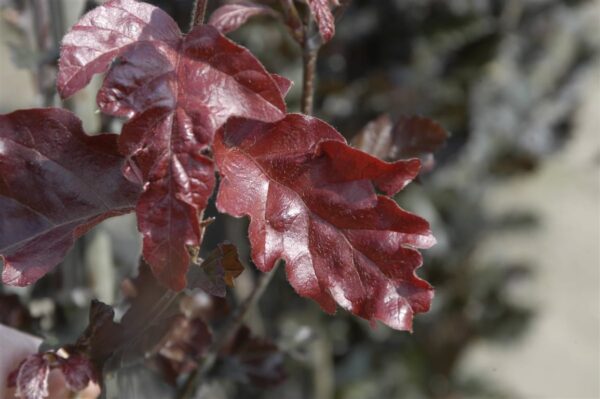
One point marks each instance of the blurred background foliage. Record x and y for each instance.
(505, 77)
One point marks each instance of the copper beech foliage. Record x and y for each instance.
(31, 377)
(176, 90)
(408, 137)
(56, 183)
(197, 104)
(311, 200)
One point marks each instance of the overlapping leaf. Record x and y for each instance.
(312, 201)
(55, 184)
(217, 271)
(177, 90)
(254, 359)
(410, 136)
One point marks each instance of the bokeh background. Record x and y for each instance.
(514, 199)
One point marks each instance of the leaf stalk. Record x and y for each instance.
(198, 13)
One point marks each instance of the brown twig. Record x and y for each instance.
(198, 13)
(309, 60)
(311, 44)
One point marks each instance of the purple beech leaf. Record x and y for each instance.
(217, 271)
(325, 20)
(176, 90)
(230, 17)
(183, 347)
(147, 293)
(410, 137)
(312, 201)
(188, 338)
(376, 138)
(416, 136)
(284, 84)
(102, 334)
(102, 34)
(55, 184)
(78, 372)
(255, 359)
(32, 377)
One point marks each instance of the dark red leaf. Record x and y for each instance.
(32, 379)
(210, 279)
(78, 371)
(152, 313)
(230, 17)
(177, 89)
(102, 334)
(217, 271)
(56, 183)
(410, 137)
(415, 136)
(376, 138)
(149, 298)
(325, 20)
(32, 374)
(311, 200)
(190, 338)
(284, 84)
(257, 360)
(103, 34)
(182, 348)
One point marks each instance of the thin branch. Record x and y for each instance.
(293, 20)
(227, 333)
(198, 13)
(311, 44)
(309, 60)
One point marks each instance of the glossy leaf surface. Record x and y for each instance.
(56, 183)
(312, 201)
(230, 17)
(177, 90)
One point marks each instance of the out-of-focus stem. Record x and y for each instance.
(198, 13)
(226, 334)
